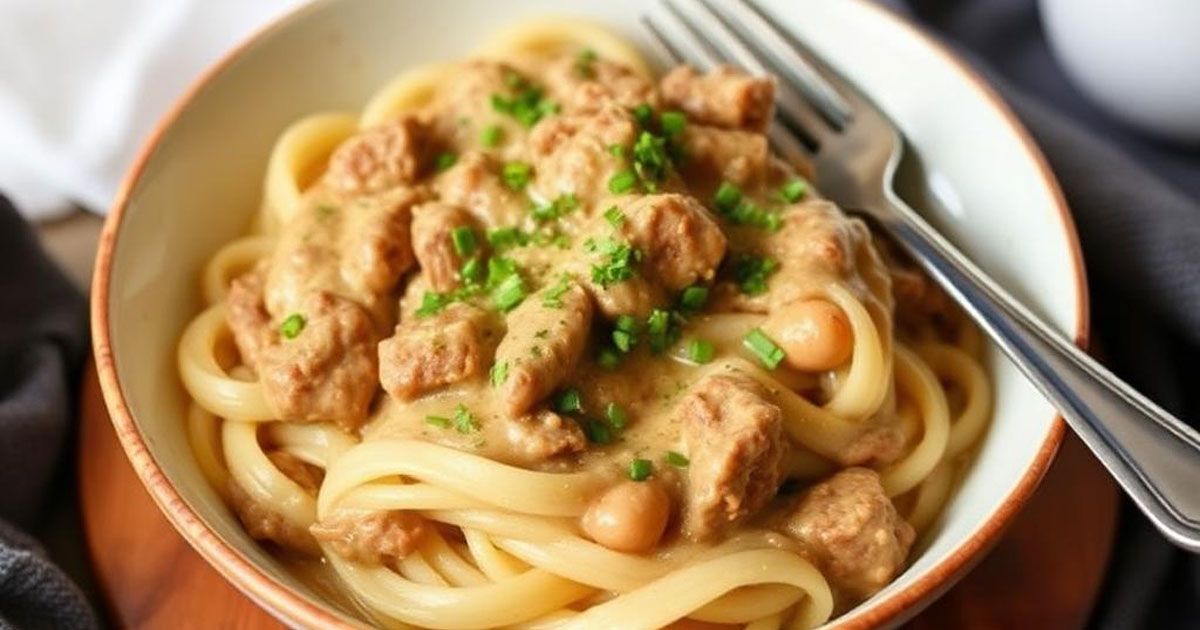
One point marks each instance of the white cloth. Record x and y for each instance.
(82, 83)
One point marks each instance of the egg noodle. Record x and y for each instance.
(518, 558)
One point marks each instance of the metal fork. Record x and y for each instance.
(856, 149)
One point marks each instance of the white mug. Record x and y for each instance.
(1137, 59)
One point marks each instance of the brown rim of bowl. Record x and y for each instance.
(289, 605)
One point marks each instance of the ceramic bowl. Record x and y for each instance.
(198, 181)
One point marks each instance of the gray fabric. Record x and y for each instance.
(1136, 203)
(43, 339)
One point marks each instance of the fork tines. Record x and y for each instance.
(809, 106)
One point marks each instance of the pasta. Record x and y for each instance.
(636, 373)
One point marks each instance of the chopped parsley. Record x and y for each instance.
(608, 358)
(509, 293)
(463, 238)
(464, 422)
(693, 298)
(618, 261)
(552, 297)
(673, 123)
(445, 160)
(700, 351)
(662, 329)
(291, 327)
(644, 114)
(793, 190)
(527, 103)
(622, 182)
(759, 344)
(516, 175)
(499, 373)
(678, 460)
(617, 151)
(614, 216)
(584, 63)
(568, 401)
(640, 469)
(597, 432)
(440, 422)
(471, 271)
(615, 415)
(650, 159)
(491, 136)
(734, 207)
(503, 238)
(564, 204)
(432, 303)
(751, 273)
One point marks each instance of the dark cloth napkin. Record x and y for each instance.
(43, 340)
(1136, 204)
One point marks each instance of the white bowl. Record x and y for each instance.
(198, 179)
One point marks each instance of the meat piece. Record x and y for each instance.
(263, 523)
(735, 441)
(571, 152)
(543, 435)
(582, 88)
(247, 316)
(305, 475)
(542, 346)
(371, 538)
(328, 371)
(377, 159)
(636, 296)
(427, 353)
(376, 248)
(474, 183)
(680, 242)
(852, 532)
(432, 233)
(877, 446)
(725, 97)
(722, 155)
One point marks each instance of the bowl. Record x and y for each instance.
(197, 182)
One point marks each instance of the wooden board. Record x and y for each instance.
(1043, 574)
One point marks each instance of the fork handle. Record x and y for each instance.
(1153, 455)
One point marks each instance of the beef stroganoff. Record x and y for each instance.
(541, 341)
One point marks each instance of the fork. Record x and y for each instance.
(856, 149)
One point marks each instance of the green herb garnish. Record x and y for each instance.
(464, 422)
(644, 114)
(291, 327)
(516, 175)
(568, 401)
(758, 343)
(463, 238)
(678, 460)
(700, 351)
(608, 358)
(693, 298)
(491, 136)
(615, 415)
(614, 216)
(432, 303)
(640, 469)
(503, 238)
(445, 160)
(440, 422)
(622, 182)
(793, 190)
(673, 123)
(471, 271)
(752, 272)
(618, 261)
(499, 373)
(552, 297)
(662, 330)
(597, 432)
(584, 63)
(527, 102)
(509, 293)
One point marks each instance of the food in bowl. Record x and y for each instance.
(541, 341)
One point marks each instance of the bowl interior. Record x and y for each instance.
(200, 183)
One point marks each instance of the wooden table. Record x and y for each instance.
(1043, 574)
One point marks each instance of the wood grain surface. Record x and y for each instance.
(1044, 573)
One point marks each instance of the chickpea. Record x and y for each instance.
(629, 516)
(815, 335)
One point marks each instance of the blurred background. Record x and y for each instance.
(83, 82)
